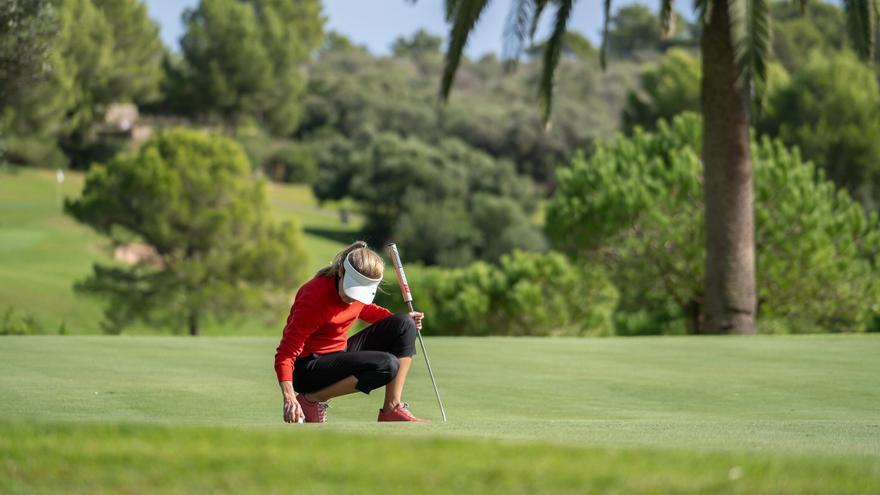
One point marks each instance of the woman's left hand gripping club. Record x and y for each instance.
(415, 315)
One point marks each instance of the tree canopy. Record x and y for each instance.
(187, 196)
(103, 52)
(635, 208)
(245, 59)
(831, 111)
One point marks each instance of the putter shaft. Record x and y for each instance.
(407, 298)
(428, 363)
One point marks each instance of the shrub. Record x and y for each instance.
(830, 110)
(525, 294)
(440, 197)
(14, 323)
(294, 162)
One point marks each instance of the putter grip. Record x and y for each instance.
(401, 276)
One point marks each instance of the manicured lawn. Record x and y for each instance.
(137, 414)
(88, 459)
(527, 415)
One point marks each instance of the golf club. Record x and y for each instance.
(407, 298)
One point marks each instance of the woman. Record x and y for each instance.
(316, 360)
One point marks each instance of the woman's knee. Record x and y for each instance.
(383, 370)
(406, 325)
(391, 365)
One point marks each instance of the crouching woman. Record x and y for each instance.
(315, 362)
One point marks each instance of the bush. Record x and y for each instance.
(257, 144)
(431, 196)
(636, 207)
(525, 294)
(13, 323)
(672, 87)
(830, 110)
(294, 162)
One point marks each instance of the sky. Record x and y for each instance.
(377, 23)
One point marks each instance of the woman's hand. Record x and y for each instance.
(291, 410)
(415, 315)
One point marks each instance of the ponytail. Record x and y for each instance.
(334, 267)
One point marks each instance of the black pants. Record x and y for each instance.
(371, 355)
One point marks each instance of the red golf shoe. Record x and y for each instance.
(400, 413)
(315, 412)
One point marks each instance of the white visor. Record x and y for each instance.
(357, 285)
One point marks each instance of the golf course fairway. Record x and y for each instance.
(794, 414)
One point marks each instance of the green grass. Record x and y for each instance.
(178, 415)
(125, 459)
(527, 415)
(43, 252)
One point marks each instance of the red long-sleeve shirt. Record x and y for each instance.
(318, 323)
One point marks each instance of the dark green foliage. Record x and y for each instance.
(861, 23)
(635, 207)
(437, 232)
(503, 226)
(293, 162)
(821, 26)
(574, 45)
(631, 29)
(421, 43)
(336, 42)
(189, 197)
(27, 29)
(429, 196)
(831, 111)
(355, 94)
(257, 143)
(524, 294)
(103, 52)
(226, 64)
(445, 183)
(245, 59)
(58, 109)
(673, 87)
(137, 51)
(664, 91)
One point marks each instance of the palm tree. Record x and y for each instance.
(735, 47)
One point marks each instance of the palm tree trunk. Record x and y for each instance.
(727, 166)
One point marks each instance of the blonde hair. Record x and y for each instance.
(363, 259)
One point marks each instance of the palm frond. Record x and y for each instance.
(552, 55)
(464, 15)
(666, 16)
(517, 31)
(861, 22)
(540, 5)
(451, 8)
(606, 12)
(750, 30)
(703, 9)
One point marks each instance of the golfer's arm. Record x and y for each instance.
(286, 389)
(373, 313)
